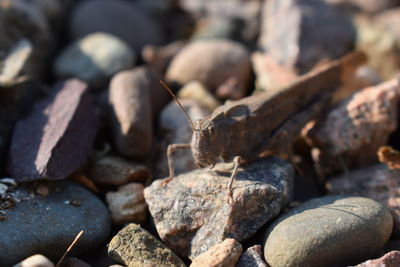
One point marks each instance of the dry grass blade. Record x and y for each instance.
(78, 236)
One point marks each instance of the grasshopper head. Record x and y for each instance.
(205, 150)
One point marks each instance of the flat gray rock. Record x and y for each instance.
(328, 231)
(47, 224)
(192, 212)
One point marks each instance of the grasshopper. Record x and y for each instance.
(262, 124)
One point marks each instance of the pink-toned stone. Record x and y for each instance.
(354, 130)
(224, 254)
(113, 170)
(270, 74)
(127, 204)
(390, 259)
(377, 182)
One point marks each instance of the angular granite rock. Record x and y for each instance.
(377, 182)
(328, 231)
(299, 34)
(135, 247)
(224, 254)
(355, 129)
(252, 257)
(55, 139)
(193, 211)
(47, 225)
(390, 259)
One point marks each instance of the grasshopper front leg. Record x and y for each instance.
(170, 150)
(237, 160)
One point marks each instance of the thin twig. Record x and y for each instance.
(69, 248)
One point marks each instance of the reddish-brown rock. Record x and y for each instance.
(127, 204)
(193, 211)
(55, 139)
(113, 170)
(390, 259)
(377, 182)
(130, 98)
(252, 257)
(224, 254)
(354, 130)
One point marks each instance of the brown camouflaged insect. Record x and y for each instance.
(244, 130)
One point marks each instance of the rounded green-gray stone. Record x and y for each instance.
(328, 231)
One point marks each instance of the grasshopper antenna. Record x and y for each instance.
(179, 103)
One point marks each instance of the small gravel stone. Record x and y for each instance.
(328, 231)
(202, 214)
(94, 59)
(51, 222)
(252, 257)
(114, 170)
(196, 91)
(309, 31)
(131, 112)
(73, 262)
(355, 129)
(158, 57)
(135, 247)
(391, 259)
(127, 204)
(120, 18)
(224, 254)
(376, 182)
(176, 129)
(211, 62)
(35, 261)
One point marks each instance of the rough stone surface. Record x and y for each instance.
(211, 62)
(94, 58)
(376, 182)
(135, 247)
(224, 254)
(391, 259)
(176, 129)
(131, 112)
(114, 170)
(252, 257)
(127, 204)
(355, 129)
(193, 211)
(328, 231)
(56, 137)
(117, 17)
(35, 261)
(51, 222)
(308, 32)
